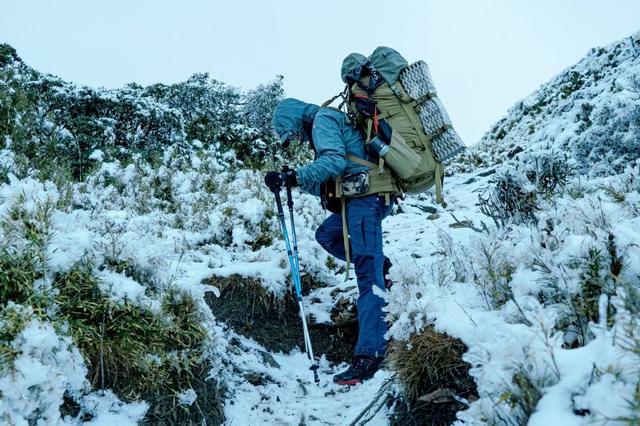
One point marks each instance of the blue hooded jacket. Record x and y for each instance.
(332, 136)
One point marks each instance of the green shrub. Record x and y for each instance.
(135, 351)
(522, 397)
(17, 274)
(13, 319)
(129, 268)
(576, 81)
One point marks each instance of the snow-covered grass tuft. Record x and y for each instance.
(434, 379)
(41, 367)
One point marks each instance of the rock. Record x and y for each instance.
(433, 216)
(572, 337)
(487, 173)
(462, 224)
(428, 209)
(255, 379)
(269, 360)
(344, 312)
(515, 151)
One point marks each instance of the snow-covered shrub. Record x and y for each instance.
(453, 260)
(259, 104)
(589, 112)
(548, 171)
(613, 140)
(137, 336)
(597, 278)
(510, 197)
(624, 188)
(138, 352)
(245, 212)
(519, 400)
(55, 128)
(493, 272)
(42, 368)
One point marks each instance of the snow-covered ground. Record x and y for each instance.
(500, 341)
(289, 396)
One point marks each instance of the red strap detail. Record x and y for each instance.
(375, 120)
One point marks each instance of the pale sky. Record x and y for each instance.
(484, 55)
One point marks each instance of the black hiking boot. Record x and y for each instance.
(361, 368)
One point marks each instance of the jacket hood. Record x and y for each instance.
(352, 66)
(290, 116)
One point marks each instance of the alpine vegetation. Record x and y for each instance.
(109, 201)
(144, 279)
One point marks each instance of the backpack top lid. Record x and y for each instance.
(385, 60)
(388, 62)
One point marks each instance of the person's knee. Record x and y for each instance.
(322, 236)
(365, 271)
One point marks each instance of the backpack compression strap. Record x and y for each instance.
(439, 171)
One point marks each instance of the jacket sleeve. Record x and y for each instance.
(331, 154)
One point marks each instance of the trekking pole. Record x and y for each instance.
(296, 260)
(295, 274)
(286, 169)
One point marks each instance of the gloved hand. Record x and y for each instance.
(276, 180)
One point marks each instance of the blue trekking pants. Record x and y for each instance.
(364, 220)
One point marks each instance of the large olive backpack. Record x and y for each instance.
(385, 92)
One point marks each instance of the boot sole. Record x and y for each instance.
(352, 382)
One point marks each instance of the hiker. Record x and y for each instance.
(366, 198)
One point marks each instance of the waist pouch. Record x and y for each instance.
(354, 184)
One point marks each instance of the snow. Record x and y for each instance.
(107, 409)
(120, 287)
(187, 397)
(290, 397)
(97, 155)
(425, 293)
(269, 273)
(47, 365)
(499, 342)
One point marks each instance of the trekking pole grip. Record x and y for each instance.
(286, 169)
